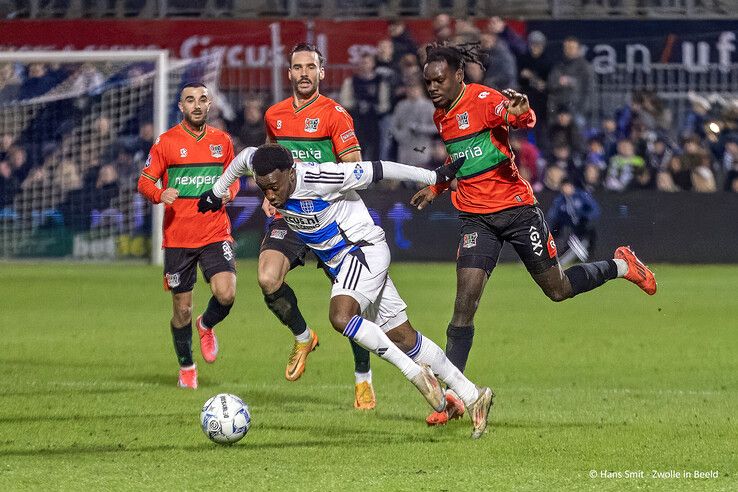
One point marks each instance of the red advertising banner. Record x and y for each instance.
(245, 44)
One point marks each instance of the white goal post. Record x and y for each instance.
(75, 144)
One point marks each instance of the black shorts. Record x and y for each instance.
(482, 237)
(280, 237)
(180, 264)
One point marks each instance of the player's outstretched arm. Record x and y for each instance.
(403, 172)
(212, 200)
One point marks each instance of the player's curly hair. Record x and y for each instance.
(271, 157)
(456, 55)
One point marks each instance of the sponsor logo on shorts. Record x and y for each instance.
(227, 251)
(535, 240)
(311, 125)
(551, 244)
(216, 150)
(358, 172)
(183, 152)
(469, 240)
(345, 136)
(278, 233)
(172, 280)
(307, 206)
(463, 120)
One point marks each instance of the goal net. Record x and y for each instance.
(75, 131)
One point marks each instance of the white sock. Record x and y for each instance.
(427, 352)
(371, 337)
(363, 377)
(304, 336)
(622, 266)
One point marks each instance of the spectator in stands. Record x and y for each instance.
(8, 186)
(40, 80)
(143, 142)
(571, 83)
(6, 141)
(696, 118)
(17, 157)
(596, 154)
(442, 28)
(675, 178)
(592, 176)
(9, 83)
(553, 176)
(413, 128)
(367, 97)
(563, 158)
(466, 31)
(564, 130)
(514, 41)
(730, 159)
(248, 127)
(124, 164)
(534, 66)
(86, 78)
(527, 157)
(623, 166)
(610, 136)
(402, 41)
(703, 179)
(502, 70)
(572, 218)
(67, 176)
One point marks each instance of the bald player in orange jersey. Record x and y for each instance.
(315, 129)
(189, 158)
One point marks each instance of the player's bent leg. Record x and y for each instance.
(344, 316)
(554, 283)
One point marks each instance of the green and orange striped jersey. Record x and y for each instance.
(477, 126)
(318, 131)
(191, 163)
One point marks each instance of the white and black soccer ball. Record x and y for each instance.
(225, 418)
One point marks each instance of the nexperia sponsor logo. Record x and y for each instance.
(479, 151)
(312, 155)
(308, 149)
(468, 152)
(192, 181)
(195, 180)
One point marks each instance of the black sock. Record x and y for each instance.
(183, 344)
(283, 303)
(361, 357)
(215, 313)
(588, 276)
(458, 344)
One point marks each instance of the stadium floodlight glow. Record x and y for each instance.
(126, 88)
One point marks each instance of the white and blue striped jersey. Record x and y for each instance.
(324, 209)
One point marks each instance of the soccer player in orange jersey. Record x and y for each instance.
(189, 158)
(315, 129)
(496, 205)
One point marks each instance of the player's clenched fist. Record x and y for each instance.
(518, 103)
(169, 195)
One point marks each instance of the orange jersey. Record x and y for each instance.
(477, 126)
(318, 131)
(192, 164)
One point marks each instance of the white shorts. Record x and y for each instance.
(364, 277)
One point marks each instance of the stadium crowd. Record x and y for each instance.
(639, 147)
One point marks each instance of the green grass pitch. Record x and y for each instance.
(612, 382)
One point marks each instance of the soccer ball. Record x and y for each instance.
(225, 418)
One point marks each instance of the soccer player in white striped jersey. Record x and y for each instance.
(319, 202)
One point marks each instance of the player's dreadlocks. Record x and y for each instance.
(456, 55)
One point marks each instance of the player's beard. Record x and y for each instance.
(196, 121)
(305, 93)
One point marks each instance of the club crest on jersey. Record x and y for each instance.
(469, 240)
(307, 206)
(358, 172)
(463, 120)
(279, 124)
(183, 152)
(216, 150)
(311, 125)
